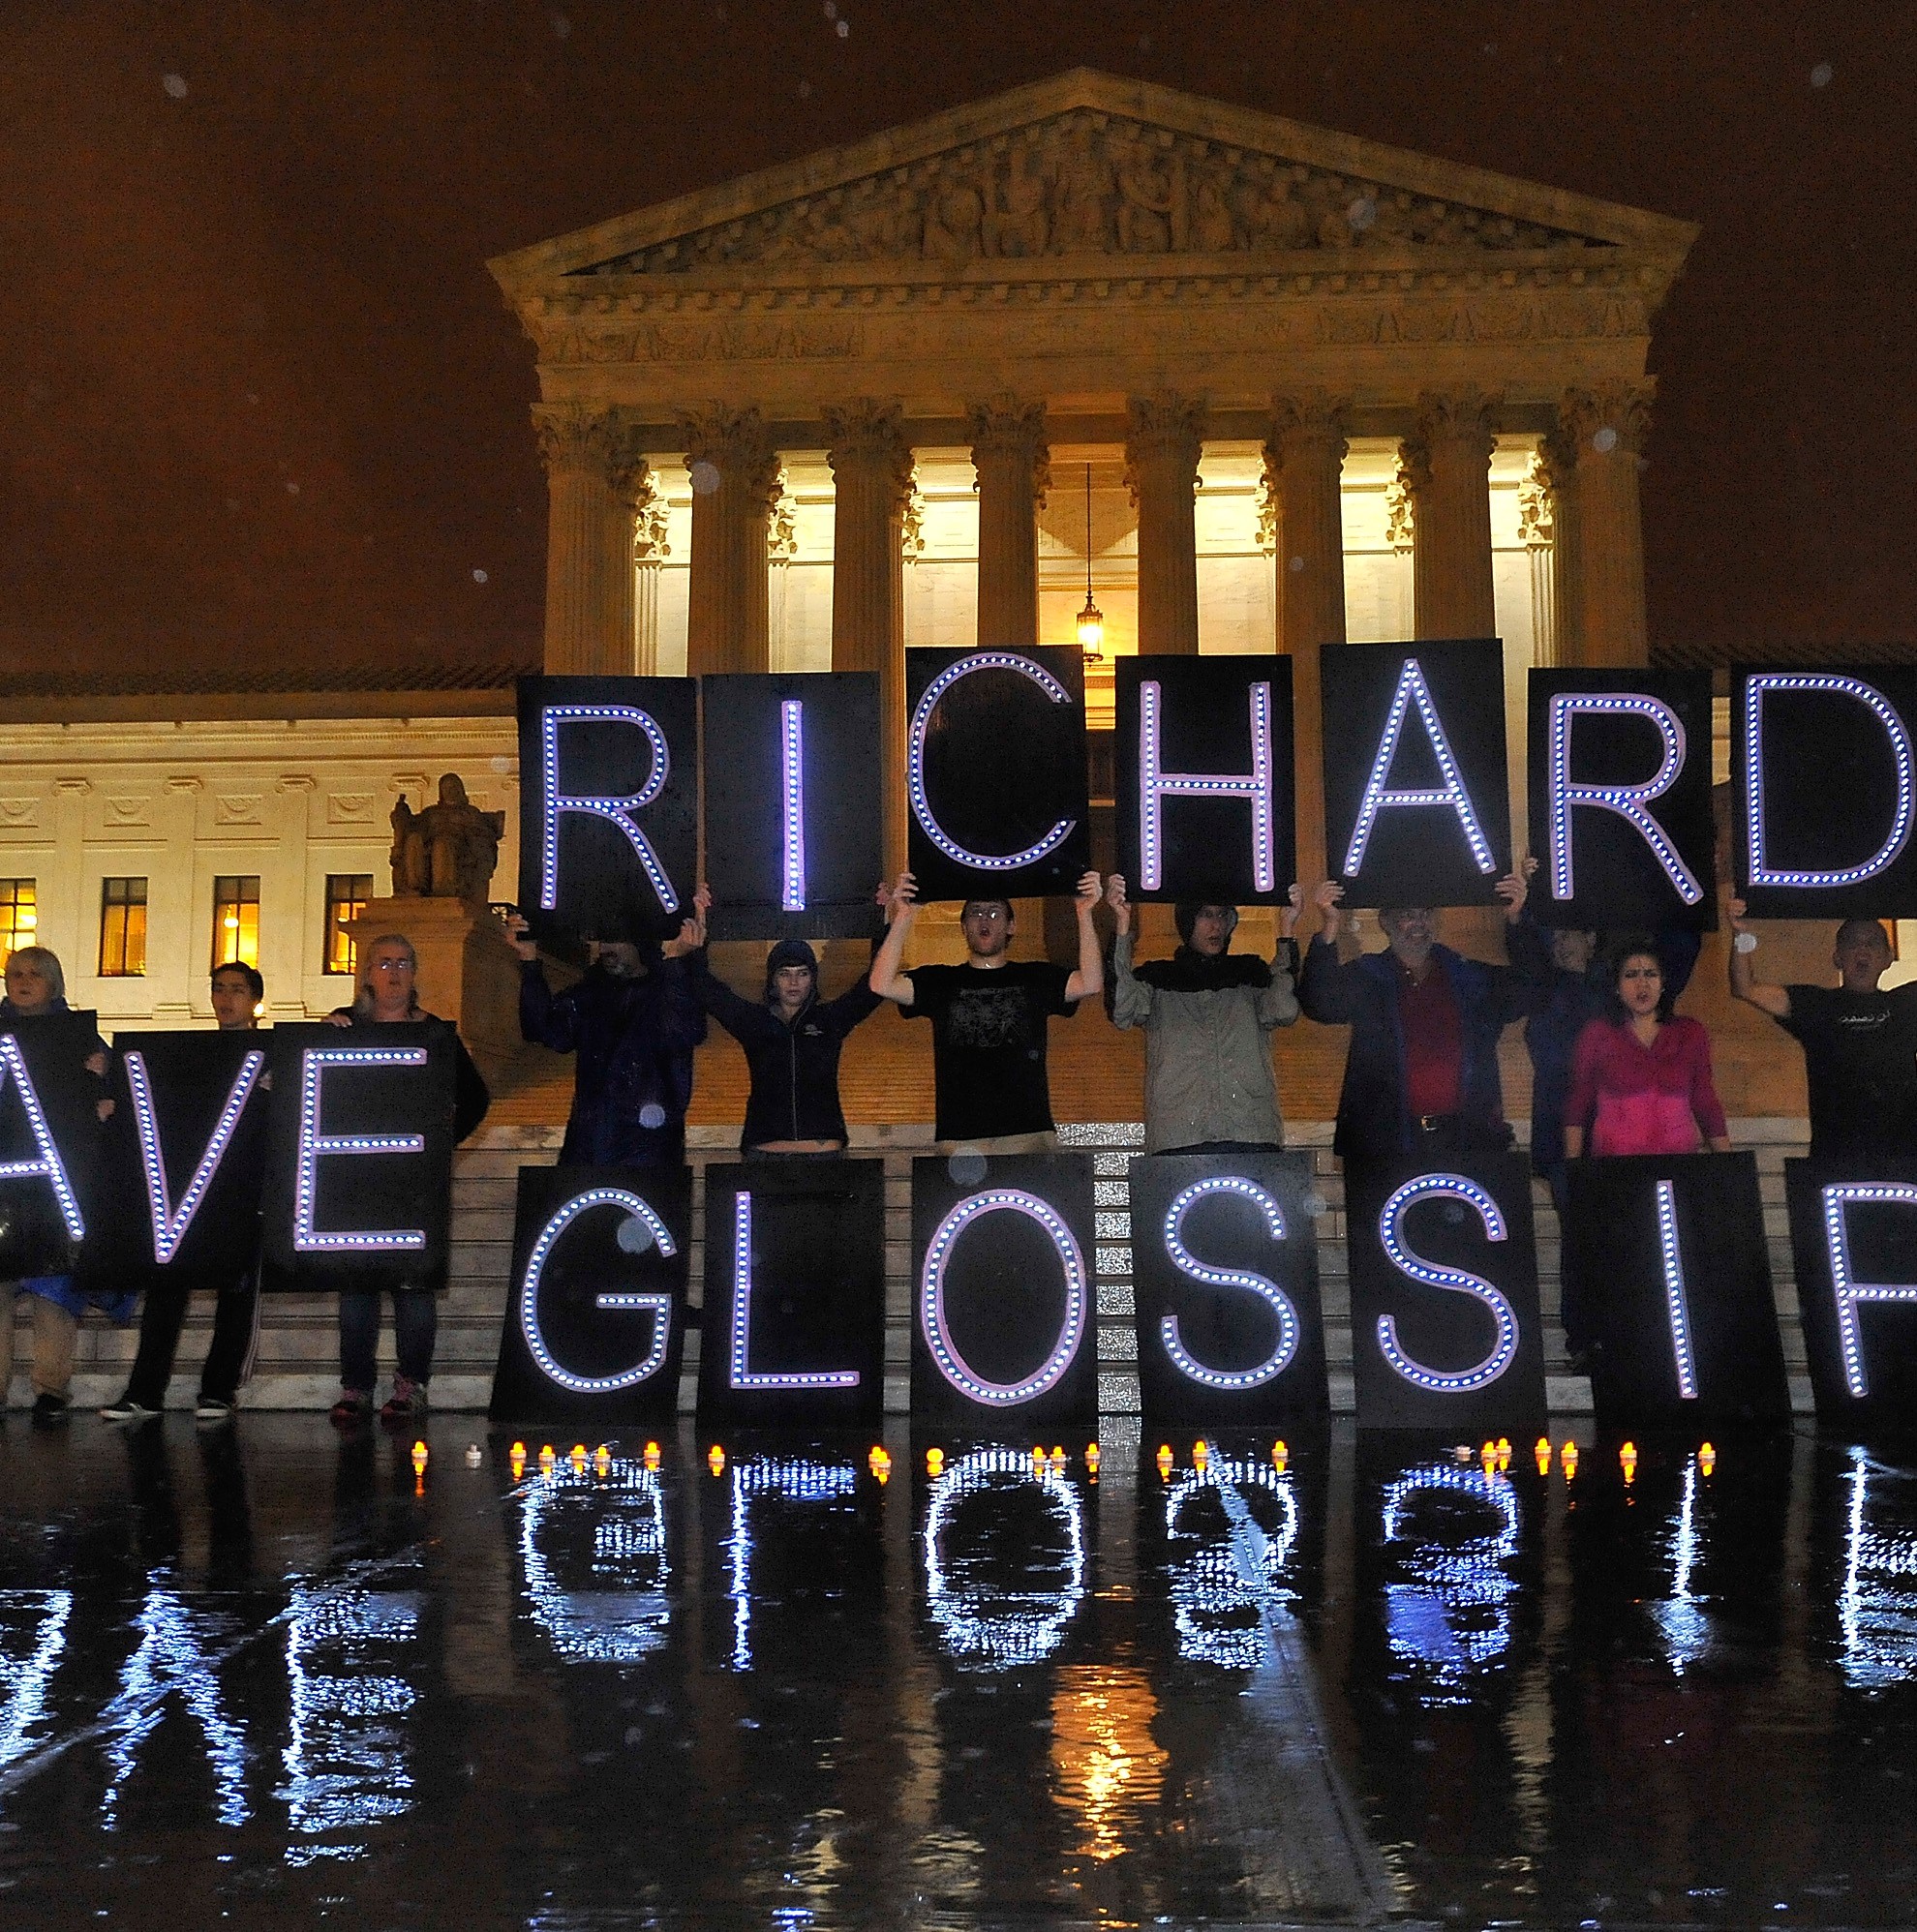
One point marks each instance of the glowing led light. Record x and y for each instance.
(915, 760)
(1677, 1304)
(1877, 1600)
(1847, 1291)
(741, 1376)
(1156, 785)
(314, 1146)
(1430, 1274)
(172, 1655)
(932, 1298)
(25, 1680)
(616, 810)
(48, 1165)
(794, 1479)
(1413, 689)
(612, 1530)
(1452, 1617)
(979, 1621)
(1762, 872)
(171, 1225)
(1269, 1292)
(1627, 802)
(657, 1305)
(346, 1758)
(792, 804)
(1215, 1581)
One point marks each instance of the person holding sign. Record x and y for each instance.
(36, 986)
(1641, 1076)
(388, 996)
(236, 992)
(633, 1021)
(1859, 1042)
(1422, 1076)
(1206, 1012)
(791, 1039)
(989, 1019)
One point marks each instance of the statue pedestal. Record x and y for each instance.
(468, 972)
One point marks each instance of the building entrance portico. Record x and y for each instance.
(1315, 379)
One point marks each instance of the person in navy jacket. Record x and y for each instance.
(1422, 1076)
(791, 1039)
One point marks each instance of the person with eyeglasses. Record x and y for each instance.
(388, 996)
(989, 1019)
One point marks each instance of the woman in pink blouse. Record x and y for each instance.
(1641, 1075)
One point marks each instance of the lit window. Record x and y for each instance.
(122, 928)
(235, 920)
(347, 894)
(19, 914)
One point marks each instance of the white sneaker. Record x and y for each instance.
(126, 1409)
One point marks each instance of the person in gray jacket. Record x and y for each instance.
(1207, 1010)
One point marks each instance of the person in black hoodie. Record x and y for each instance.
(792, 1040)
(633, 1023)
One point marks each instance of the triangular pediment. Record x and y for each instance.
(1087, 166)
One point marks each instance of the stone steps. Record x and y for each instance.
(297, 1362)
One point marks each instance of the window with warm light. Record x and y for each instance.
(235, 920)
(19, 914)
(347, 894)
(122, 928)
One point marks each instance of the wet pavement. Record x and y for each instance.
(268, 1675)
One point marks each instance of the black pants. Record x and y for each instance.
(235, 1330)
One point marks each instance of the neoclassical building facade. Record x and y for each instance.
(1068, 325)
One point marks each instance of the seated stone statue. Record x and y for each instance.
(449, 851)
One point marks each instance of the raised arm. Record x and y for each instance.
(885, 978)
(1277, 1003)
(1088, 981)
(1743, 985)
(1328, 987)
(1132, 1000)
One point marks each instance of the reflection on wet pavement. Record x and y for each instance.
(281, 1676)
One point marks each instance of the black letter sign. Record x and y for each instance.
(608, 802)
(1205, 778)
(996, 796)
(793, 1321)
(1668, 1251)
(1416, 799)
(1444, 1325)
(792, 803)
(1225, 1276)
(595, 1310)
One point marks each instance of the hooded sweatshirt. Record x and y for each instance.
(794, 1062)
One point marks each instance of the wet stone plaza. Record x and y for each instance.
(273, 1676)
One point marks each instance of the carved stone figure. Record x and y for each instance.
(1085, 184)
(952, 223)
(1211, 219)
(449, 851)
(1147, 195)
(1022, 228)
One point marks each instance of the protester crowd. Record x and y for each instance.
(1616, 1070)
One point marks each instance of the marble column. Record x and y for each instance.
(1010, 453)
(871, 470)
(1448, 461)
(1304, 458)
(1162, 449)
(649, 551)
(1604, 430)
(594, 477)
(735, 479)
(1556, 467)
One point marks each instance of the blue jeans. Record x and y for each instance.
(416, 1324)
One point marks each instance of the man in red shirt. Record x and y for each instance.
(1422, 1072)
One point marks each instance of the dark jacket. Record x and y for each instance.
(1562, 1004)
(794, 1068)
(471, 1095)
(635, 1039)
(1373, 1123)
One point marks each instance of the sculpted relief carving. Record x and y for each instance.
(1090, 183)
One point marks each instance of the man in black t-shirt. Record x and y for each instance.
(1860, 1043)
(988, 1018)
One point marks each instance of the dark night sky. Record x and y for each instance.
(258, 394)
